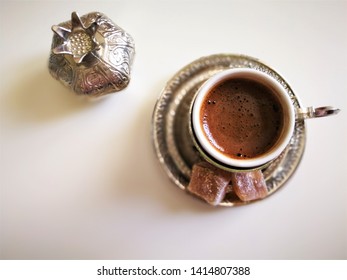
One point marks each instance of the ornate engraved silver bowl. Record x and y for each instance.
(91, 54)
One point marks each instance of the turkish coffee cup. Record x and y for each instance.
(242, 119)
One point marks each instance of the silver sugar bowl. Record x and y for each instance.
(91, 55)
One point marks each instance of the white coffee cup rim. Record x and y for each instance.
(255, 75)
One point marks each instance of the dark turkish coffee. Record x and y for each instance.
(241, 118)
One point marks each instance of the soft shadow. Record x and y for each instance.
(38, 97)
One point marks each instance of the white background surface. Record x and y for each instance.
(79, 179)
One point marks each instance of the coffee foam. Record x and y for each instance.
(241, 118)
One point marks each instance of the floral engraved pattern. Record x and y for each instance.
(95, 62)
(60, 69)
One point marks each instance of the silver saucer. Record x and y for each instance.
(173, 144)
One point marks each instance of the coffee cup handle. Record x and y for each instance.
(312, 112)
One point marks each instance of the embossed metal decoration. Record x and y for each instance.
(91, 55)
